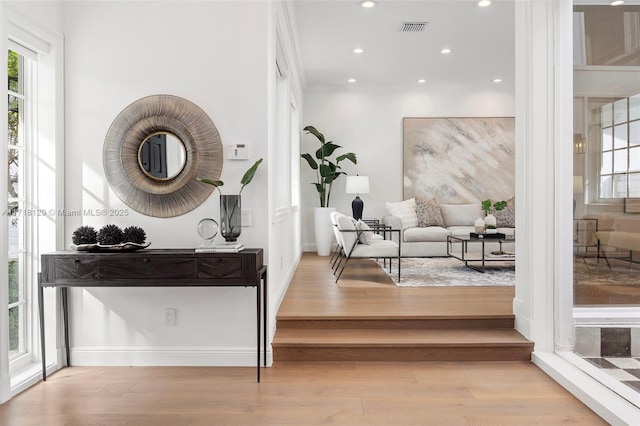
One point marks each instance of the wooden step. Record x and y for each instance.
(398, 323)
(292, 344)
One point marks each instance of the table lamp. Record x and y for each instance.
(357, 185)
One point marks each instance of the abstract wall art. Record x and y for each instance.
(459, 160)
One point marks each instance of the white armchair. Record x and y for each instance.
(337, 253)
(351, 239)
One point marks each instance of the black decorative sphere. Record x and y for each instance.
(84, 235)
(134, 234)
(109, 235)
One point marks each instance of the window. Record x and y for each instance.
(620, 148)
(20, 72)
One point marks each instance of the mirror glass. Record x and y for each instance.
(162, 156)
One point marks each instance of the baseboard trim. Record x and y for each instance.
(166, 356)
(602, 400)
(523, 325)
(616, 316)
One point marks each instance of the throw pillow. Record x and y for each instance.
(406, 211)
(429, 213)
(506, 218)
(365, 234)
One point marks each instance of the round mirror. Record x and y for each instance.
(162, 156)
(193, 149)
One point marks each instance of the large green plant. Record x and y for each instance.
(327, 168)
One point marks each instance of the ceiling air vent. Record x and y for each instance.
(413, 27)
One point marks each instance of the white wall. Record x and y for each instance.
(369, 123)
(215, 55)
(284, 213)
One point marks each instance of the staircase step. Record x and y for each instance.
(458, 322)
(292, 344)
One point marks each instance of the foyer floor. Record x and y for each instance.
(471, 393)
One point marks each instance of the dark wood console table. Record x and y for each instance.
(153, 268)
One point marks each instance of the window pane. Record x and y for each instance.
(607, 139)
(14, 120)
(634, 185)
(14, 227)
(620, 111)
(620, 161)
(605, 187)
(12, 62)
(14, 330)
(634, 107)
(607, 166)
(634, 159)
(619, 186)
(14, 169)
(606, 116)
(634, 133)
(14, 280)
(620, 136)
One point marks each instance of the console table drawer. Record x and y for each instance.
(146, 267)
(83, 268)
(222, 267)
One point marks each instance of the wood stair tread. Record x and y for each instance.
(394, 338)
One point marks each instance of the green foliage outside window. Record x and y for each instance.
(13, 122)
(14, 295)
(13, 128)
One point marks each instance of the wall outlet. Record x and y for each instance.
(169, 316)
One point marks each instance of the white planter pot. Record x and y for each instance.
(323, 230)
(490, 220)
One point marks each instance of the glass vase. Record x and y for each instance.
(230, 217)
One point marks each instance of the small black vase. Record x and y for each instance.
(230, 217)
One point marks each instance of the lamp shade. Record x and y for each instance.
(357, 185)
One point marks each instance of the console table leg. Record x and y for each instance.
(265, 305)
(42, 339)
(65, 315)
(258, 321)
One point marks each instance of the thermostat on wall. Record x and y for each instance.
(237, 152)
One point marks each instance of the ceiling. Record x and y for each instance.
(481, 40)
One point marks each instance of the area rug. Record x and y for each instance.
(593, 271)
(442, 271)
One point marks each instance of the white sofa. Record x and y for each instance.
(431, 241)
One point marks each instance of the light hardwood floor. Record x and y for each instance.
(310, 393)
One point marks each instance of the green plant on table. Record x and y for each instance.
(490, 208)
(327, 169)
(246, 180)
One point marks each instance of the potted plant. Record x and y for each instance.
(326, 164)
(490, 208)
(230, 217)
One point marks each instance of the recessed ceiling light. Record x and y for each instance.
(484, 3)
(367, 3)
(617, 3)
(497, 80)
(358, 50)
(352, 80)
(445, 50)
(422, 80)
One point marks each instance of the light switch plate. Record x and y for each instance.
(238, 151)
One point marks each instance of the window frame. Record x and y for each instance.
(609, 129)
(24, 252)
(46, 168)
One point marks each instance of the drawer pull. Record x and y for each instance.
(145, 260)
(77, 260)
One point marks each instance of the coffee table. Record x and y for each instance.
(458, 248)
